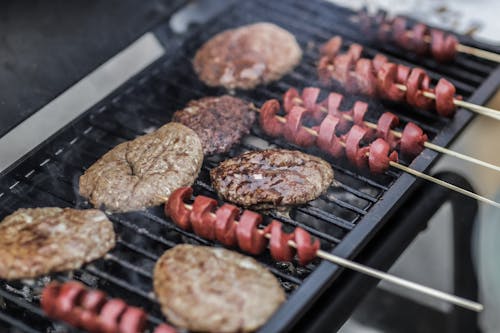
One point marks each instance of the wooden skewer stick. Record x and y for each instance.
(480, 53)
(418, 174)
(482, 110)
(459, 301)
(426, 143)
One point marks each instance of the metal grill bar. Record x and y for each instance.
(344, 218)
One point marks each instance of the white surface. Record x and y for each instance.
(78, 98)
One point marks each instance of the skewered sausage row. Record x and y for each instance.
(411, 142)
(231, 228)
(419, 39)
(91, 310)
(380, 78)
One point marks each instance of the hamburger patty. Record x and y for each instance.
(247, 56)
(215, 290)
(143, 172)
(271, 178)
(38, 241)
(220, 122)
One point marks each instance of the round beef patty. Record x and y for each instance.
(143, 172)
(220, 122)
(38, 241)
(271, 178)
(247, 56)
(215, 290)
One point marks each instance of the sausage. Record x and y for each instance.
(356, 154)
(267, 118)
(176, 210)
(278, 245)
(419, 32)
(293, 130)
(289, 98)
(445, 94)
(417, 83)
(225, 227)
(332, 47)
(164, 328)
(412, 140)
(385, 124)
(443, 46)
(380, 156)
(110, 315)
(133, 320)
(327, 138)
(307, 247)
(202, 221)
(250, 239)
(366, 82)
(387, 79)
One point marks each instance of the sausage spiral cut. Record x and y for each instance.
(90, 309)
(380, 78)
(419, 39)
(411, 142)
(234, 229)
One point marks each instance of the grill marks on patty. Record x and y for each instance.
(143, 172)
(215, 290)
(220, 122)
(38, 241)
(247, 56)
(271, 178)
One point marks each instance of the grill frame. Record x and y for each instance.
(355, 240)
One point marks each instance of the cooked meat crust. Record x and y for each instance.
(143, 172)
(215, 290)
(271, 178)
(247, 56)
(38, 241)
(220, 122)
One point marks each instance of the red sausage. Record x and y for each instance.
(419, 32)
(378, 61)
(202, 221)
(68, 298)
(110, 315)
(366, 82)
(48, 298)
(267, 118)
(417, 83)
(386, 82)
(93, 300)
(250, 239)
(332, 47)
(306, 246)
(164, 328)
(289, 98)
(225, 226)
(294, 132)
(356, 154)
(278, 245)
(379, 156)
(133, 320)
(385, 124)
(327, 139)
(175, 207)
(412, 140)
(445, 93)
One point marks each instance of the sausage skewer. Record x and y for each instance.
(294, 98)
(219, 223)
(381, 78)
(439, 44)
(380, 146)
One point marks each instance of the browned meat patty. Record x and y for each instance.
(271, 178)
(143, 172)
(247, 56)
(215, 290)
(220, 122)
(38, 241)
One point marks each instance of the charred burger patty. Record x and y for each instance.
(271, 178)
(38, 241)
(220, 122)
(215, 290)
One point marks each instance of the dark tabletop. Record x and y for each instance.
(47, 46)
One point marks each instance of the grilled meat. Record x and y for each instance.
(215, 290)
(220, 122)
(270, 178)
(247, 56)
(38, 241)
(143, 172)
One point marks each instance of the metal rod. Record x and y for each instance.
(459, 301)
(444, 184)
(482, 110)
(426, 143)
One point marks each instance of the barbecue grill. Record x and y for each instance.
(348, 219)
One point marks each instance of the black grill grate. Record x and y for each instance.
(345, 218)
